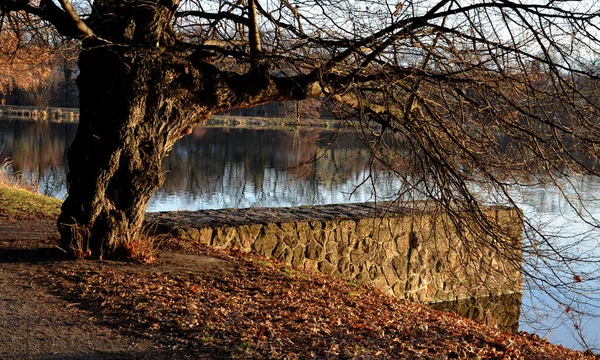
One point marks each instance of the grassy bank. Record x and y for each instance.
(18, 199)
(16, 203)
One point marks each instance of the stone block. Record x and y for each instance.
(346, 230)
(333, 257)
(344, 250)
(364, 228)
(389, 274)
(331, 247)
(343, 265)
(291, 239)
(317, 232)
(193, 234)
(401, 242)
(298, 256)
(330, 233)
(311, 265)
(415, 258)
(380, 283)
(363, 277)
(280, 248)
(316, 226)
(412, 283)
(229, 236)
(399, 265)
(274, 229)
(181, 234)
(205, 236)
(362, 244)
(326, 268)
(224, 236)
(286, 256)
(399, 289)
(303, 233)
(265, 244)
(336, 273)
(218, 238)
(248, 234)
(358, 256)
(314, 251)
(379, 255)
(375, 272)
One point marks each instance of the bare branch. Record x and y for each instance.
(253, 31)
(78, 23)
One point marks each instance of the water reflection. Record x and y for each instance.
(239, 167)
(218, 168)
(37, 151)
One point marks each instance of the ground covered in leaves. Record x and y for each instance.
(195, 302)
(203, 303)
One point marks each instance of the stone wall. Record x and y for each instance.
(405, 252)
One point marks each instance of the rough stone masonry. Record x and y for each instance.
(410, 253)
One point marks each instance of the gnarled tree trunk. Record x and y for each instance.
(139, 93)
(130, 118)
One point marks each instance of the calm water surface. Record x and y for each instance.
(215, 168)
(240, 167)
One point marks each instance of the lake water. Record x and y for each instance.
(216, 168)
(243, 167)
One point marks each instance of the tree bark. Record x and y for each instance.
(130, 118)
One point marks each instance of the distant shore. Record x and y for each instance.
(71, 115)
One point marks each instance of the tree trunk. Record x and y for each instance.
(139, 93)
(129, 120)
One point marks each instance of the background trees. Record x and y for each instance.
(37, 67)
(28, 69)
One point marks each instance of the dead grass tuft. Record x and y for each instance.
(80, 244)
(14, 180)
(143, 248)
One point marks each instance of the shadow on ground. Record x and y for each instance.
(35, 255)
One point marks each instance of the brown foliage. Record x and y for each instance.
(243, 306)
(27, 67)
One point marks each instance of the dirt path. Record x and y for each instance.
(36, 324)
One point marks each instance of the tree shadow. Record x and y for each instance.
(32, 255)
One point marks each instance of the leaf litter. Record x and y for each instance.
(258, 308)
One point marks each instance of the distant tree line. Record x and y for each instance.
(56, 88)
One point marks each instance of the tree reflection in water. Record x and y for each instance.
(218, 167)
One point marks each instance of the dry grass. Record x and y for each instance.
(79, 246)
(13, 180)
(142, 249)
